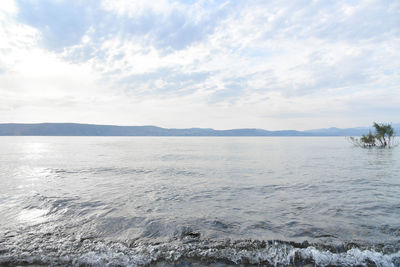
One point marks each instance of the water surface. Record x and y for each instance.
(198, 201)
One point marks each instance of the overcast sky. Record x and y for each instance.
(219, 64)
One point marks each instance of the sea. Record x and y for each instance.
(198, 201)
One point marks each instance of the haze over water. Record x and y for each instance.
(197, 200)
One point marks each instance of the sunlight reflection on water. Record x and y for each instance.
(32, 216)
(34, 150)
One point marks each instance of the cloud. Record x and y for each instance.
(204, 63)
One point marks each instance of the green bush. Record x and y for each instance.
(384, 137)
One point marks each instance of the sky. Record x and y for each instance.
(297, 64)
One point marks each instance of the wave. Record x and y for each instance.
(81, 242)
(84, 250)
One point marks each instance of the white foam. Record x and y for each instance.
(351, 257)
(64, 250)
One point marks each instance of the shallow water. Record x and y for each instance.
(198, 201)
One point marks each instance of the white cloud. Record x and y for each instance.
(7, 7)
(137, 7)
(38, 85)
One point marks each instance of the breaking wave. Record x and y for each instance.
(80, 250)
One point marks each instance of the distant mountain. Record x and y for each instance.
(333, 131)
(76, 129)
(357, 131)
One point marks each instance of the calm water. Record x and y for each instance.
(197, 201)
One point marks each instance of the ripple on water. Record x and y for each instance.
(153, 201)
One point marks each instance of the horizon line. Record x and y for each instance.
(172, 128)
